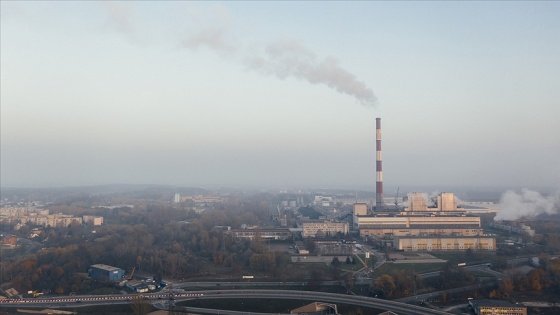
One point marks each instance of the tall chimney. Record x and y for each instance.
(378, 166)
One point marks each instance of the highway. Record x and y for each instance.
(156, 299)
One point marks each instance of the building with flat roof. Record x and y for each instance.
(265, 234)
(497, 307)
(445, 243)
(322, 228)
(382, 225)
(425, 224)
(359, 209)
(105, 272)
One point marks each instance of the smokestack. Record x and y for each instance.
(378, 166)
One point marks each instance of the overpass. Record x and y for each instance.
(156, 299)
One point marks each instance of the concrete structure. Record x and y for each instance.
(323, 201)
(445, 202)
(497, 307)
(322, 228)
(424, 224)
(446, 243)
(202, 199)
(177, 198)
(92, 220)
(265, 234)
(417, 202)
(36, 216)
(400, 225)
(316, 308)
(137, 286)
(378, 166)
(105, 272)
(360, 209)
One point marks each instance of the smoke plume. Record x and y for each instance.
(214, 38)
(288, 58)
(283, 59)
(528, 204)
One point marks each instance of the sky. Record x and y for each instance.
(280, 94)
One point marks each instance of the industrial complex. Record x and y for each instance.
(423, 224)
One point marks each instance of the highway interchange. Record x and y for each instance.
(237, 290)
(157, 298)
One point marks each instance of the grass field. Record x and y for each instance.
(418, 268)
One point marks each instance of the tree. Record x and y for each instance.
(385, 284)
(335, 262)
(140, 305)
(315, 279)
(505, 289)
(537, 279)
(349, 281)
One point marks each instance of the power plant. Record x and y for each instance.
(421, 225)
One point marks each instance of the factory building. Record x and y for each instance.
(265, 234)
(417, 222)
(444, 203)
(105, 272)
(445, 243)
(491, 307)
(425, 223)
(322, 228)
(360, 209)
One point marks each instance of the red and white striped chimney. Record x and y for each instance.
(378, 166)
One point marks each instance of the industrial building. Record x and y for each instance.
(265, 234)
(317, 228)
(425, 223)
(105, 272)
(93, 220)
(360, 209)
(446, 243)
(491, 307)
(419, 220)
(444, 203)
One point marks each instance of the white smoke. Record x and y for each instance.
(119, 18)
(528, 204)
(288, 58)
(215, 38)
(283, 59)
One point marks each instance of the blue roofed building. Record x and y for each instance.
(105, 272)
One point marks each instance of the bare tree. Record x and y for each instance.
(140, 305)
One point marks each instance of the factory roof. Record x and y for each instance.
(501, 303)
(442, 227)
(283, 230)
(441, 236)
(105, 267)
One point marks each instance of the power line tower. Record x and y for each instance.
(171, 300)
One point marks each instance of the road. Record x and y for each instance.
(156, 299)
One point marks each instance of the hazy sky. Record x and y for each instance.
(280, 94)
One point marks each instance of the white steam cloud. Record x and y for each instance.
(528, 204)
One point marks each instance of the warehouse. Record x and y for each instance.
(105, 272)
